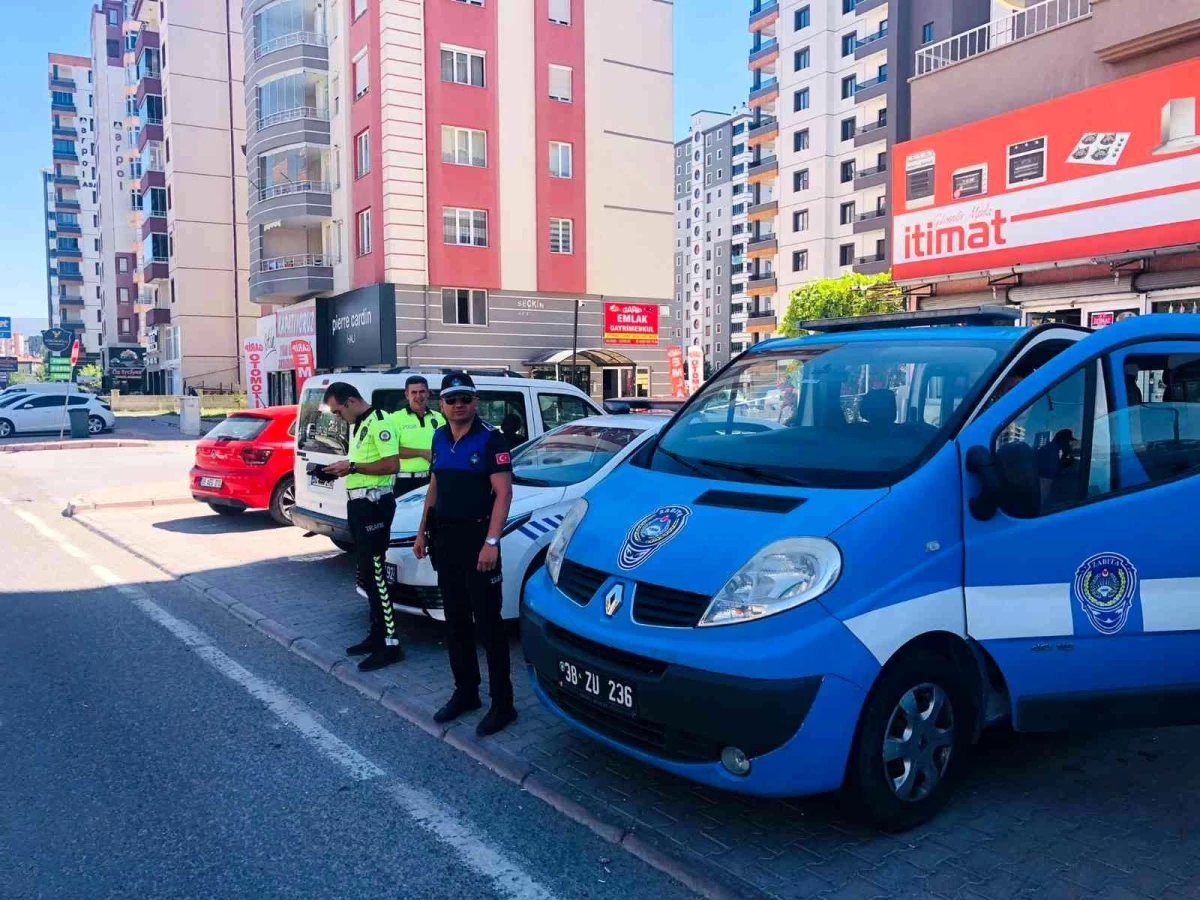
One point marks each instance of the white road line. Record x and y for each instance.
(4, 501)
(72, 550)
(37, 525)
(104, 575)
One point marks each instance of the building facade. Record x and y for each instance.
(480, 162)
(710, 228)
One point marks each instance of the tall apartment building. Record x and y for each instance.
(476, 166)
(73, 239)
(710, 228)
(50, 228)
(185, 73)
(830, 94)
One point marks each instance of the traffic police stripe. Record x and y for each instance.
(542, 526)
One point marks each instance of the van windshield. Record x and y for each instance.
(855, 414)
(318, 430)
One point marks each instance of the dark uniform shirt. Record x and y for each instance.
(464, 469)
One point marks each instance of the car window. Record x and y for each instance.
(80, 401)
(390, 400)
(570, 454)
(42, 402)
(320, 431)
(506, 410)
(559, 409)
(238, 428)
(292, 429)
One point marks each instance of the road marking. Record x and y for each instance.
(4, 501)
(104, 575)
(37, 525)
(72, 550)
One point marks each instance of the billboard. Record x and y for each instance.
(675, 365)
(254, 350)
(630, 323)
(1111, 169)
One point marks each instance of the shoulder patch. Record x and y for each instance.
(385, 435)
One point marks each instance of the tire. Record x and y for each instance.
(913, 786)
(283, 499)
(6, 428)
(95, 425)
(226, 510)
(344, 546)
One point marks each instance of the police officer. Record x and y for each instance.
(416, 426)
(372, 463)
(468, 501)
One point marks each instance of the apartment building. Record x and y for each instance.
(830, 95)
(73, 236)
(474, 166)
(184, 76)
(1074, 184)
(711, 194)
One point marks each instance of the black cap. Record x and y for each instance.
(457, 383)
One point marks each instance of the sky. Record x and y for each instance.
(711, 47)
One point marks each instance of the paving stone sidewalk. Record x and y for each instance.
(1110, 816)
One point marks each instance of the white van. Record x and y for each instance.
(524, 407)
(40, 387)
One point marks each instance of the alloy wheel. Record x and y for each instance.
(287, 500)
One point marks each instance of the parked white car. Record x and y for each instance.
(523, 408)
(549, 474)
(42, 412)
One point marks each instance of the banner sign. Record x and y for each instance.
(58, 340)
(127, 362)
(675, 366)
(695, 361)
(630, 323)
(5, 327)
(256, 385)
(1107, 170)
(292, 325)
(304, 362)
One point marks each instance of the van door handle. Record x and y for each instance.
(301, 455)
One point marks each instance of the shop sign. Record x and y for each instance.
(256, 385)
(675, 365)
(1101, 319)
(357, 329)
(630, 323)
(127, 362)
(304, 361)
(695, 361)
(1111, 169)
(295, 323)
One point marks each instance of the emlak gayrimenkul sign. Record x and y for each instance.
(1112, 169)
(630, 323)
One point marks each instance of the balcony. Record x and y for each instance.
(148, 85)
(66, 181)
(872, 43)
(766, 54)
(870, 133)
(767, 91)
(285, 279)
(762, 247)
(295, 39)
(67, 253)
(70, 277)
(154, 223)
(761, 285)
(156, 268)
(154, 317)
(869, 90)
(147, 38)
(68, 228)
(767, 130)
(762, 211)
(150, 130)
(63, 105)
(872, 220)
(291, 115)
(63, 131)
(70, 299)
(66, 155)
(763, 169)
(62, 84)
(1035, 19)
(765, 14)
(761, 323)
(865, 6)
(293, 187)
(67, 205)
(875, 264)
(873, 177)
(153, 178)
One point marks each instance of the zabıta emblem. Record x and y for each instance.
(1104, 586)
(650, 533)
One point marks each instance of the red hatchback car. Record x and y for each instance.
(246, 463)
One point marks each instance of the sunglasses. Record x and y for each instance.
(458, 400)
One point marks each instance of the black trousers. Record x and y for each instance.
(371, 527)
(472, 601)
(402, 486)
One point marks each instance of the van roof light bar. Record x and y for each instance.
(967, 315)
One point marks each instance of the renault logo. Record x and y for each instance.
(613, 599)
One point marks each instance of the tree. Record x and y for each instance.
(90, 374)
(850, 295)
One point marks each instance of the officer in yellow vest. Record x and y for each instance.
(416, 426)
(372, 464)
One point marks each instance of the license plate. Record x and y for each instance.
(210, 482)
(389, 572)
(597, 687)
(321, 485)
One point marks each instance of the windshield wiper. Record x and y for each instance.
(758, 472)
(530, 482)
(683, 462)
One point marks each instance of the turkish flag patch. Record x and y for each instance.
(503, 459)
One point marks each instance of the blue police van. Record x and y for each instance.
(851, 552)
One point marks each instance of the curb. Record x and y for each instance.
(71, 445)
(74, 507)
(696, 875)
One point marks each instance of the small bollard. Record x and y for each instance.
(189, 416)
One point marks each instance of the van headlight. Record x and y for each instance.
(779, 577)
(558, 546)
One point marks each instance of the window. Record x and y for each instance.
(562, 236)
(803, 18)
(738, 209)
(738, 128)
(927, 33)
(560, 83)
(464, 146)
(800, 140)
(800, 220)
(462, 66)
(561, 409)
(848, 6)
(848, 42)
(122, 264)
(847, 171)
(800, 100)
(122, 326)
(802, 59)
(360, 7)
(846, 214)
(799, 260)
(123, 295)
(882, 72)
(362, 74)
(738, 150)
(364, 232)
(737, 170)
(462, 306)
(466, 227)
(362, 153)
(846, 255)
(849, 83)
(849, 126)
(800, 180)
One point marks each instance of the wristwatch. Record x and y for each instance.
(492, 542)
(353, 470)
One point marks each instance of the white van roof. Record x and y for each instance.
(435, 382)
(43, 387)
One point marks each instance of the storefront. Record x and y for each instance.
(597, 372)
(288, 339)
(357, 329)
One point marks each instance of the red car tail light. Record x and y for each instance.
(255, 456)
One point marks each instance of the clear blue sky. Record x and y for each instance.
(711, 45)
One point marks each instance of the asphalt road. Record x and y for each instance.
(153, 746)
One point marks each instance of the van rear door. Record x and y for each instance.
(321, 438)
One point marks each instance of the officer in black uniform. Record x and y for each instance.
(468, 501)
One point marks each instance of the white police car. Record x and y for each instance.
(549, 474)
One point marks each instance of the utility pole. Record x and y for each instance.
(575, 344)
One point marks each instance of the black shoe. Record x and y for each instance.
(381, 657)
(497, 719)
(456, 706)
(368, 645)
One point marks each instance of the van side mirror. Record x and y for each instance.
(982, 465)
(1008, 480)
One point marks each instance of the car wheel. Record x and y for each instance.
(95, 425)
(911, 742)
(283, 499)
(344, 546)
(6, 428)
(226, 510)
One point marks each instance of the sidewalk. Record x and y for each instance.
(1107, 816)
